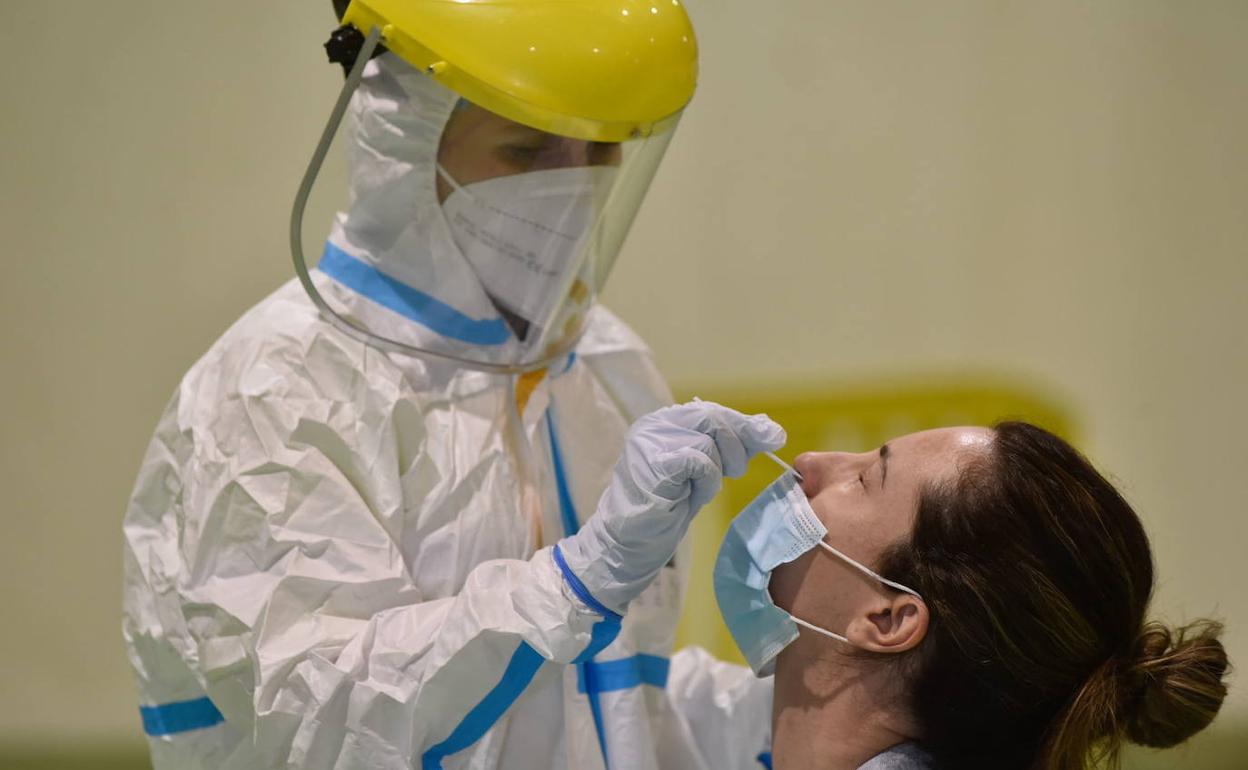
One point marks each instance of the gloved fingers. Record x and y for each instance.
(703, 488)
(738, 436)
(762, 434)
(684, 469)
(701, 470)
(722, 430)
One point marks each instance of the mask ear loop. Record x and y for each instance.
(819, 630)
(456, 186)
(867, 571)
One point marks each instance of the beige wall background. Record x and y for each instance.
(1050, 194)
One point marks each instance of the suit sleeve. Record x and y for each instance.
(304, 622)
(725, 708)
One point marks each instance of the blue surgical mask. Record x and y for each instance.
(774, 529)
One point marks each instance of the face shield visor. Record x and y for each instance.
(540, 217)
(535, 203)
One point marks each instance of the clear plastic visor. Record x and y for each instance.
(539, 217)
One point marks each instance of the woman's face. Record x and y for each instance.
(867, 502)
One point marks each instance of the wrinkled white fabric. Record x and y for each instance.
(345, 551)
(724, 707)
(393, 220)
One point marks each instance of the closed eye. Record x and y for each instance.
(522, 152)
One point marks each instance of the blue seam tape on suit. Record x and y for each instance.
(579, 588)
(525, 663)
(571, 525)
(179, 717)
(623, 674)
(602, 634)
(408, 302)
(519, 672)
(567, 510)
(595, 710)
(764, 759)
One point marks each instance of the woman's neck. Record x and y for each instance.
(834, 714)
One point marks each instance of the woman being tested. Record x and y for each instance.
(960, 599)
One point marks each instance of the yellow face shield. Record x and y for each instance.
(598, 70)
(565, 110)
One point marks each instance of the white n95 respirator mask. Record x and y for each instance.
(522, 233)
(776, 528)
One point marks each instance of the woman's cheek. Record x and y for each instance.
(786, 581)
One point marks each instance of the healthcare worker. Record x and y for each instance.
(378, 525)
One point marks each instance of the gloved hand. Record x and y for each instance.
(673, 463)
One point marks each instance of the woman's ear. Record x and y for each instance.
(891, 625)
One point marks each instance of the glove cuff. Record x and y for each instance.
(579, 588)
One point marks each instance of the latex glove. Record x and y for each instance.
(673, 463)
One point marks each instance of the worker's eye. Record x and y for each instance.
(521, 153)
(862, 481)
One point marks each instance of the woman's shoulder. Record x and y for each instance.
(903, 756)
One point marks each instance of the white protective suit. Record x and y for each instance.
(341, 558)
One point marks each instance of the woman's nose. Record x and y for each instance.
(819, 469)
(813, 467)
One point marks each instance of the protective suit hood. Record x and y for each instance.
(395, 266)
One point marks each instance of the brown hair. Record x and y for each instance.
(1037, 575)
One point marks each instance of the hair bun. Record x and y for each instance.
(1174, 684)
